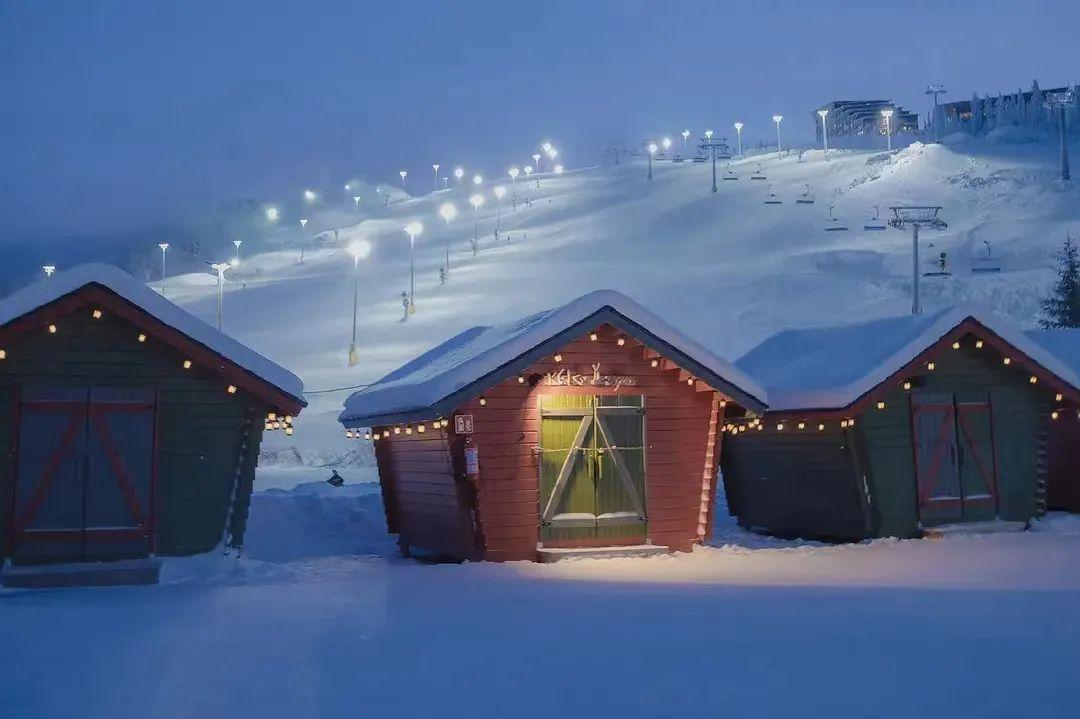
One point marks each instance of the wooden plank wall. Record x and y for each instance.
(200, 425)
(682, 441)
(428, 503)
(795, 482)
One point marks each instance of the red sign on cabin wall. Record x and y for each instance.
(463, 424)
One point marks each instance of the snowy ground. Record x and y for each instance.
(321, 619)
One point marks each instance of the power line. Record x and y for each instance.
(336, 389)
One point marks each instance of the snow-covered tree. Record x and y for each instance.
(1036, 105)
(1062, 308)
(976, 125)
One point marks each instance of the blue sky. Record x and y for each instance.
(121, 116)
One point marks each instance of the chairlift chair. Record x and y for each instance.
(942, 263)
(759, 174)
(985, 264)
(806, 198)
(678, 158)
(772, 198)
(729, 174)
(875, 223)
(834, 223)
(700, 158)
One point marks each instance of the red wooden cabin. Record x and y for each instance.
(592, 427)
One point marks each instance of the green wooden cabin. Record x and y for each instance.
(128, 427)
(894, 427)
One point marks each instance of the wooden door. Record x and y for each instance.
(119, 473)
(592, 470)
(84, 474)
(954, 458)
(47, 514)
(937, 473)
(978, 474)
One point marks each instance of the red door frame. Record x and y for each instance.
(84, 414)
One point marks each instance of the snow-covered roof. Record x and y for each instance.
(64, 283)
(832, 367)
(1062, 343)
(442, 378)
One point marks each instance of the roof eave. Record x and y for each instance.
(604, 315)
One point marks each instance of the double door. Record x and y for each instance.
(84, 472)
(954, 458)
(592, 469)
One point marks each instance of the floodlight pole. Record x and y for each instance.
(355, 301)
(935, 90)
(164, 247)
(1061, 100)
(916, 308)
(713, 148)
(824, 132)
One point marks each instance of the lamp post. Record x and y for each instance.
(48, 270)
(272, 213)
(547, 148)
(403, 174)
(685, 137)
(738, 132)
(536, 161)
(359, 249)
(666, 143)
(824, 131)
(236, 257)
(887, 114)
(777, 119)
(303, 226)
(356, 201)
(459, 172)
(310, 196)
(528, 171)
(164, 247)
(477, 201)
(935, 90)
(652, 151)
(448, 212)
(498, 191)
(435, 167)
(513, 172)
(558, 169)
(412, 229)
(1060, 101)
(220, 267)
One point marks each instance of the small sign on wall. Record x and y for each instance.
(463, 424)
(472, 461)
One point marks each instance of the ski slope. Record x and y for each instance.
(725, 268)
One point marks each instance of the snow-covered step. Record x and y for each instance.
(553, 554)
(83, 574)
(996, 526)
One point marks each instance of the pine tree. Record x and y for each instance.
(1062, 308)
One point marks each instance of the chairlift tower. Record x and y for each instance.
(1060, 101)
(715, 145)
(916, 217)
(935, 90)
